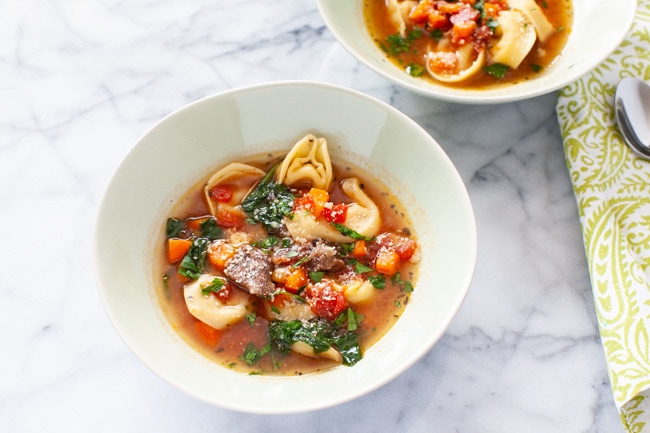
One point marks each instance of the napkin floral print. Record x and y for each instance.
(612, 188)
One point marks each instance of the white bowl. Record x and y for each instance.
(189, 144)
(599, 26)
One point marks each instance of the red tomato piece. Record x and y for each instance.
(224, 293)
(221, 193)
(324, 300)
(337, 213)
(227, 218)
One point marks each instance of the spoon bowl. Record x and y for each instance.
(632, 108)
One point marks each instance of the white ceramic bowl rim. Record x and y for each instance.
(587, 47)
(193, 140)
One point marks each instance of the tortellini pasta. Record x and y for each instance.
(245, 176)
(307, 350)
(543, 27)
(359, 291)
(517, 39)
(362, 216)
(308, 164)
(398, 12)
(209, 309)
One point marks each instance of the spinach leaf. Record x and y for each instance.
(174, 227)
(192, 264)
(497, 70)
(320, 334)
(251, 355)
(269, 202)
(210, 229)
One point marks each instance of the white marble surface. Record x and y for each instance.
(82, 80)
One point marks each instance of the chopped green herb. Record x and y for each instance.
(192, 264)
(214, 287)
(360, 268)
(406, 285)
(377, 281)
(535, 68)
(165, 280)
(251, 355)
(415, 70)
(275, 309)
(497, 70)
(397, 44)
(346, 231)
(267, 244)
(397, 304)
(354, 319)
(346, 248)
(316, 276)
(251, 317)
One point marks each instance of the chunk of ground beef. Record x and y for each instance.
(324, 257)
(250, 269)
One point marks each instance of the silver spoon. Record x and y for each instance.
(632, 108)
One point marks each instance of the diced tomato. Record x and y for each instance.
(387, 261)
(405, 247)
(228, 218)
(324, 300)
(207, 332)
(221, 193)
(224, 293)
(336, 213)
(304, 202)
(296, 279)
(219, 253)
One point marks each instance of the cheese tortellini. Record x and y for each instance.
(308, 164)
(209, 309)
(362, 216)
(243, 176)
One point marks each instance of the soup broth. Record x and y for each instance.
(353, 318)
(458, 43)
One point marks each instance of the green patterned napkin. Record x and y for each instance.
(612, 188)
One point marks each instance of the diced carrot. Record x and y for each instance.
(296, 280)
(194, 224)
(209, 334)
(359, 249)
(420, 13)
(177, 248)
(437, 20)
(320, 197)
(279, 300)
(462, 30)
(449, 8)
(386, 261)
(219, 253)
(491, 10)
